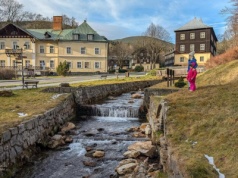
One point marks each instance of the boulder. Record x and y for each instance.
(145, 148)
(143, 126)
(148, 130)
(126, 169)
(88, 148)
(126, 161)
(91, 133)
(131, 154)
(67, 127)
(138, 135)
(131, 101)
(111, 98)
(136, 96)
(98, 154)
(68, 139)
(89, 163)
(64, 85)
(56, 140)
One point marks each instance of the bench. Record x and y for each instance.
(30, 82)
(104, 76)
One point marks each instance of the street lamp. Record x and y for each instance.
(18, 54)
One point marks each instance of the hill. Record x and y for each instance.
(205, 122)
(135, 39)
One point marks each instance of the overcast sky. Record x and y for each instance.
(122, 18)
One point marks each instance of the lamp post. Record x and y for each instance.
(18, 54)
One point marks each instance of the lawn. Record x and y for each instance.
(206, 122)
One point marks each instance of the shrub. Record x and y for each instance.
(122, 70)
(62, 68)
(180, 83)
(139, 68)
(111, 71)
(152, 72)
(6, 74)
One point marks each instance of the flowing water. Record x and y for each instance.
(105, 129)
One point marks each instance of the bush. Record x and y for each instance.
(111, 71)
(180, 83)
(62, 68)
(152, 72)
(139, 68)
(6, 74)
(122, 70)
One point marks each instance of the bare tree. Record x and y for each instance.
(231, 33)
(121, 51)
(157, 31)
(10, 10)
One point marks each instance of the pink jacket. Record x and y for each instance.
(192, 73)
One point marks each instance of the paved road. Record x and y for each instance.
(55, 81)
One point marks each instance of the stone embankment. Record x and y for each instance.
(157, 119)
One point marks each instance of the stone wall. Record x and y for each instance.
(156, 92)
(157, 119)
(16, 140)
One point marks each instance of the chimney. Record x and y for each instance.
(57, 22)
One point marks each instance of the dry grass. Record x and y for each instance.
(208, 116)
(30, 101)
(114, 81)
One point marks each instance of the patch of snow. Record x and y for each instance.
(56, 96)
(21, 114)
(211, 161)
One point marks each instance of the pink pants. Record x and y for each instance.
(192, 85)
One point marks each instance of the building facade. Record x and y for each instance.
(195, 36)
(82, 47)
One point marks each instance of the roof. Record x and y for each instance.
(193, 24)
(64, 35)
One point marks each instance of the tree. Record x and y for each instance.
(121, 51)
(157, 31)
(10, 10)
(231, 33)
(62, 68)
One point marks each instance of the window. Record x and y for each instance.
(51, 49)
(201, 58)
(202, 47)
(14, 45)
(14, 63)
(52, 64)
(90, 37)
(202, 35)
(181, 59)
(42, 49)
(79, 64)
(192, 35)
(97, 51)
(27, 63)
(2, 45)
(86, 65)
(68, 50)
(182, 48)
(2, 63)
(83, 50)
(182, 36)
(27, 45)
(70, 65)
(76, 36)
(97, 65)
(42, 64)
(192, 47)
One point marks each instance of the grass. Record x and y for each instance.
(114, 81)
(33, 101)
(208, 116)
(30, 101)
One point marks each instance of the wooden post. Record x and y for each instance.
(171, 75)
(167, 70)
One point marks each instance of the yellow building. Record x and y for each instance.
(82, 47)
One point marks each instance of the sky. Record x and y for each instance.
(117, 19)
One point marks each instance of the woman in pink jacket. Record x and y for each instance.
(191, 77)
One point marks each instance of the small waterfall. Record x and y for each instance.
(107, 111)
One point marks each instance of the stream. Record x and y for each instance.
(103, 127)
